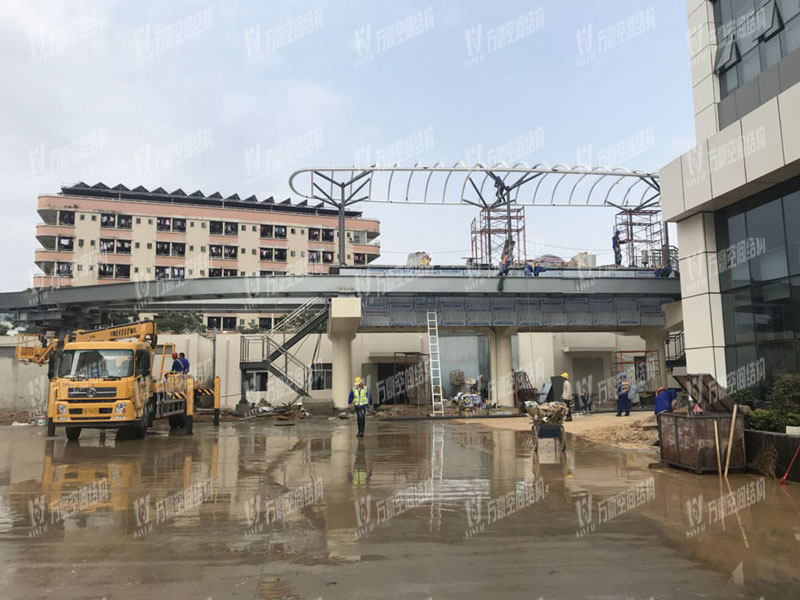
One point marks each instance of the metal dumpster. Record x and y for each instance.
(688, 441)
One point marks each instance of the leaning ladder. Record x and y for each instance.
(437, 402)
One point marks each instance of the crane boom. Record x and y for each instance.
(143, 331)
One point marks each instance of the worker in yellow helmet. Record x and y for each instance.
(360, 398)
(566, 394)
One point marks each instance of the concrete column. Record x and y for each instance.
(655, 341)
(501, 391)
(343, 322)
(342, 368)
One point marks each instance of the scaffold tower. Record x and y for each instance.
(491, 230)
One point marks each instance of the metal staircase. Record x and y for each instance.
(271, 351)
(437, 400)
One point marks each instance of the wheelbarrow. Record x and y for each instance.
(548, 431)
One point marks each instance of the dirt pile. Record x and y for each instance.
(625, 432)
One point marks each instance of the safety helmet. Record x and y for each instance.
(662, 389)
(357, 381)
(174, 355)
(565, 375)
(623, 376)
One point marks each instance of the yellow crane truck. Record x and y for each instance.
(116, 378)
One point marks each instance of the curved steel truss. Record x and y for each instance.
(481, 185)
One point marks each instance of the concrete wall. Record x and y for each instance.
(199, 350)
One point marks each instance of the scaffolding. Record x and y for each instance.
(642, 368)
(491, 230)
(646, 239)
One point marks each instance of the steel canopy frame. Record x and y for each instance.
(342, 187)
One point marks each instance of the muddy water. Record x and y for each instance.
(416, 510)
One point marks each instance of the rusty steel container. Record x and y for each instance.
(688, 441)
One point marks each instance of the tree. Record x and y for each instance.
(252, 327)
(3, 329)
(180, 322)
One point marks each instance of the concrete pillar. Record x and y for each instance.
(501, 365)
(343, 322)
(655, 341)
(342, 368)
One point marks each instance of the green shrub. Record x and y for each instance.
(771, 420)
(745, 397)
(785, 394)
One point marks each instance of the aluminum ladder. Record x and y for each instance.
(437, 402)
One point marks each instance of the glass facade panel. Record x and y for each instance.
(765, 227)
(772, 311)
(738, 310)
(791, 222)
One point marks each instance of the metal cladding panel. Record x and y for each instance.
(402, 313)
(504, 311)
(628, 318)
(601, 304)
(451, 312)
(604, 319)
(529, 312)
(578, 305)
(550, 305)
(376, 320)
(479, 312)
(552, 318)
(579, 318)
(650, 305)
(626, 304)
(374, 306)
(423, 304)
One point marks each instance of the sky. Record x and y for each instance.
(109, 91)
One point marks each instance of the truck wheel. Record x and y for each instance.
(177, 421)
(51, 428)
(140, 428)
(73, 433)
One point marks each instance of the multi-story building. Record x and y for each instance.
(735, 196)
(95, 234)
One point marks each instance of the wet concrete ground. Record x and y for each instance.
(474, 513)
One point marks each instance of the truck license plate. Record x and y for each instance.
(91, 411)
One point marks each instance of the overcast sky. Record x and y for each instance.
(106, 91)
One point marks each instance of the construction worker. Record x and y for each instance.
(537, 268)
(184, 362)
(566, 394)
(623, 401)
(505, 265)
(616, 244)
(177, 365)
(528, 270)
(664, 399)
(360, 398)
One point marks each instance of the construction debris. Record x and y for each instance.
(553, 413)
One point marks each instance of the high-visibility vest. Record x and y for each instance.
(360, 397)
(624, 386)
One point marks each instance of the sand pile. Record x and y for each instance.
(626, 432)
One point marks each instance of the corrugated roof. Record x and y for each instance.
(160, 195)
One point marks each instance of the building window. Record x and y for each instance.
(231, 229)
(321, 376)
(178, 272)
(138, 220)
(191, 248)
(244, 227)
(254, 227)
(266, 231)
(359, 258)
(149, 245)
(327, 257)
(80, 243)
(214, 323)
(215, 227)
(254, 381)
(107, 246)
(123, 247)
(91, 242)
(105, 271)
(179, 225)
(137, 244)
(265, 323)
(215, 251)
(327, 235)
(178, 249)
(215, 272)
(230, 252)
(66, 244)
(314, 235)
(162, 273)
(66, 217)
(279, 254)
(163, 224)
(94, 217)
(122, 271)
(280, 232)
(292, 252)
(124, 222)
(253, 251)
(83, 217)
(229, 272)
(229, 323)
(64, 269)
(108, 221)
(313, 256)
(80, 267)
(162, 248)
